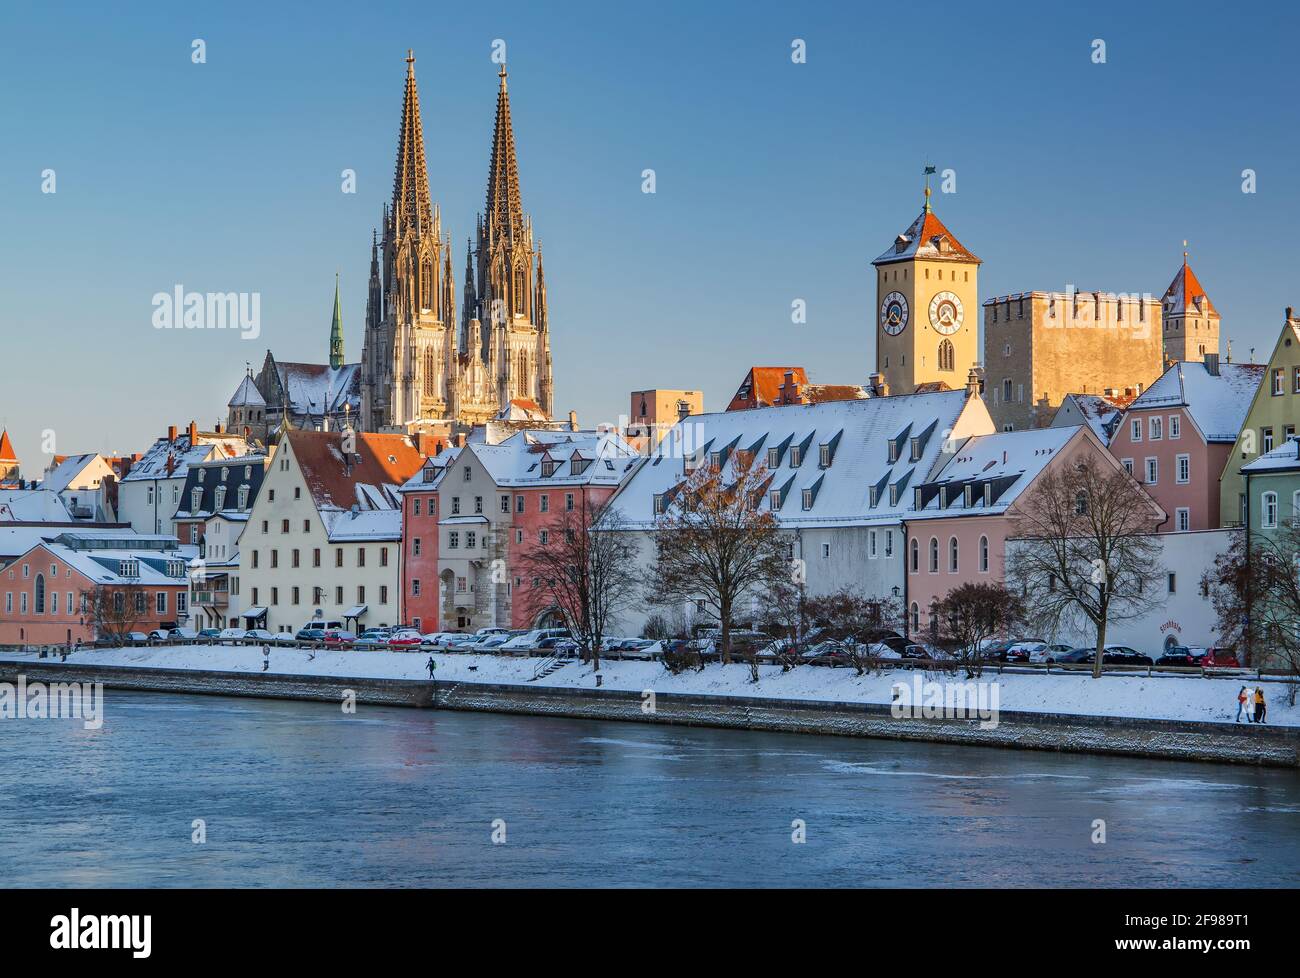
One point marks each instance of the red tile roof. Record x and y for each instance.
(1183, 291)
(6, 448)
(927, 238)
(379, 460)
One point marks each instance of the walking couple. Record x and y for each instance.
(1251, 702)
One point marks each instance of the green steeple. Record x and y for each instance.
(336, 330)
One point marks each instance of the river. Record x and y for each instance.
(300, 794)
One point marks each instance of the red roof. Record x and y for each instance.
(6, 448)
(762, 386)
(1183, 291)
(927, 238)
(379, 460)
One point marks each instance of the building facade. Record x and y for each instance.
(418, 360)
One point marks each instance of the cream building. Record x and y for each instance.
(651, 413)
(324, 535)
(1041, 346)
(927, 294)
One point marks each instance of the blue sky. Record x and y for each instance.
(775, 181)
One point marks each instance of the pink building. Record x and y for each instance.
(964, 515)
(81, 585)
(1176, 437)
(419, 606)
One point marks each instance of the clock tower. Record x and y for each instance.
(927, 307)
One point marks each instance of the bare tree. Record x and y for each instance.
(714, 542)
(1255, 592)
(970, 614)
(785, 617)
(116, 610)
(585, 576)
(1082, 553)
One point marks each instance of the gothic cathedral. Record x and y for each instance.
(417, 362)
(928, 311)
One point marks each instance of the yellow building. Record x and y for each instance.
(1041, 346)
(1272, 418)
(927, 308)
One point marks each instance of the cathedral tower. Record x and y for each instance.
(927, 307)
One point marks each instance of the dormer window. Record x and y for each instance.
(968, 496)
(248, 471)
(196, 497)
(220, 501)
(873, 495)
(243, 497)
(988, 494)
(579, 465)
(916, 448)
(548, 467)
(202, 473)
(773, 457)
(893, 452)
(807, 499)
(824, 456)
(659, 504)
(774, 499)
(715, 461)
(796, 456)
(893, 494)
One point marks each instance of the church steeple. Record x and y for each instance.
(411, 200)
(505, 209)
(336, 330)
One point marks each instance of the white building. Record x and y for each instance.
(84, 483)
(150, 493)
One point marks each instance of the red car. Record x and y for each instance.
(405, 639)
(338, 638)
(1222, 658)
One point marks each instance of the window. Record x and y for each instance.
(774, 499)
(415, 587)
(505, 504)
(826, 550)
(415, 547)
(1153, 471)
(254, 558)
(807, 499)
(916, 556)
(796, 456)
(455, 505)
(1080, 504)
(952, 556)
(568, 502)
(361, 594)
(1175, 427)
(1278, 380)
(1128, 465)
(275, 558)
(471, 539)
(284, 526)
(889, 543)
(934, 555)
(295, 558)
(306, 526)
(984, 555)
(1156, 424)
(361, 556)
(519, 504)
(1183, 519)
(871, 544)
(432, 508)
(338, 556)
(773, 457)
(1135, 430)
(543, 503)
(1266, 438)
(1269, 511)
(338, 595)
(415, 506)
(1173, 583)
(469, 474)
(294, 596)
(916, 449)
(543, 537)
(383, 594)
(946, 355)
(453, 540)
(478, 505)
(916, 617)
(315, 557)
(40, 594)
(1183, 472)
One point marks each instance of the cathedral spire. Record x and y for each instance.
(336, 330)
(505, 209)
(411, 206)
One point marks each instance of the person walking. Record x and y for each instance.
(266, 657)
(1260, 707)
(431, 666)
(1241, 704)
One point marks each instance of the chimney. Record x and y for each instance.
(171, 433)
(1212, 364)
(1289, 317)
(573, 420)
(972, 382)
(194, 434)
(878, 386)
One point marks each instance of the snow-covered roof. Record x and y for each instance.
(247, 395)
(1185, 294)
(926, 238)
(860, 435)
(317, 389)
(430, 475)
(522, 409)
(105, 566)
(69, 470)
(32, 506)
(154, 463)
(557, 458)
(1284, 457)
(1217, 403)
(1007, 462)
(1097, 411)
(364, 525)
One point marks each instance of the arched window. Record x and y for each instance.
(430, 375)
(521, 299)
(40, 594)
(426, 286)
(952, 556)
(1295, 505)
(916, 556)
(946, 356)
(984, 555)
(1270, 510)
(916, 617)
(934, 555)
(521, 381)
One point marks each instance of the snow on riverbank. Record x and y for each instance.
(1170, 697)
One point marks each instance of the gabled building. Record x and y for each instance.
(1175, 438)
(323, 538)
(150, 493)
(87, 485)
(783, 386)
(85, 584)
(1100, 412)
(840, 480)
(1272, 418)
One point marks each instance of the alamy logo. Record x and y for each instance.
(53, 701)
(179, 309)
(102, 932)
(951, 701)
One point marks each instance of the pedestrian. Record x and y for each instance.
(431, 665)
(266, 658)
(1260, 707)
(1241, 704)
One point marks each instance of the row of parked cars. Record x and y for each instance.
(1038, 651)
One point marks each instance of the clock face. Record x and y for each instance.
(946, 313)
(893, 313)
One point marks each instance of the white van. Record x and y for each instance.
(529, 640)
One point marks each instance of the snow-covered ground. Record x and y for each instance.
(1172, 697)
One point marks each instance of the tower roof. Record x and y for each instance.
(411, 201)
(926, 238)
(247, 394)
(1185, 290)
(6, 448)
(336, 330)
(505, 209)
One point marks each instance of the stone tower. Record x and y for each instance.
(417, 362)
(1189, 321)
(927, 307)
(336, 330)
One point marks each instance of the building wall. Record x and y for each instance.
(473, 594)
(660, 413)
(926, 587)
(1199, 495)
(1049, 344)
(149, 504)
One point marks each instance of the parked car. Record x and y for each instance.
(172, 634)
(1112, 655)
(340, 638)
(1048, 653)
(135, 638)
(405, 638)
(372, 638)
(529, 640)
(995, 651)
(1019, 651)
(492, 630)
(1181, 655)
(231, 635)
(258, 635)
(209, 634)
(310, 634)
(1221, 658)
